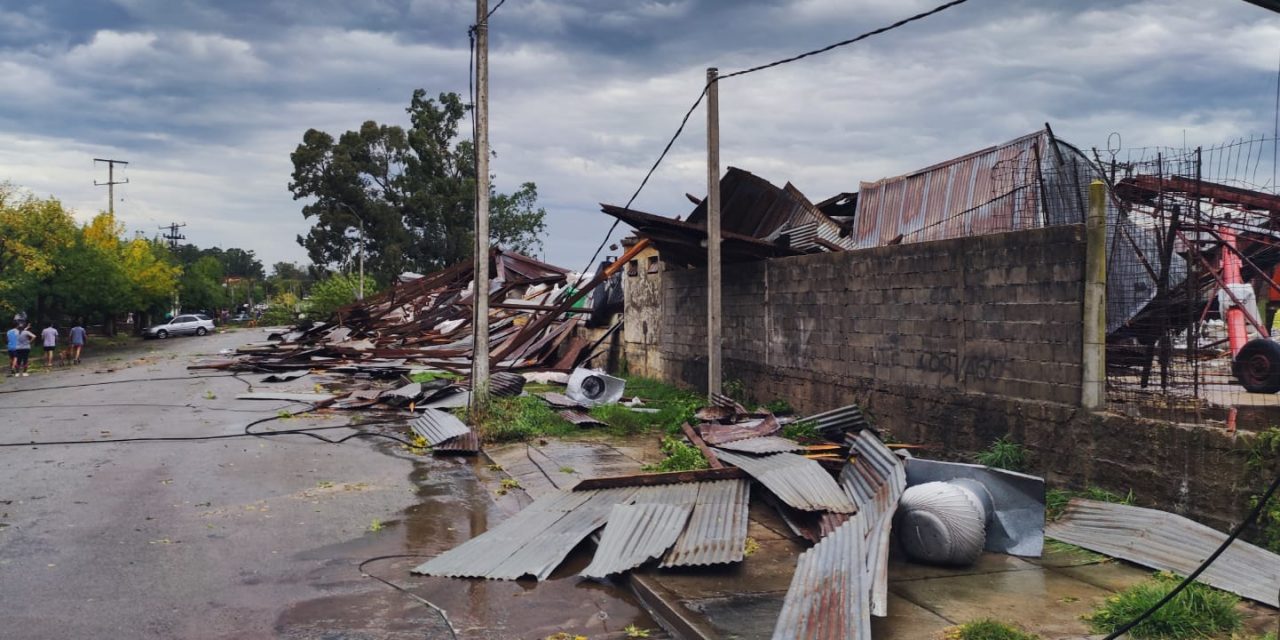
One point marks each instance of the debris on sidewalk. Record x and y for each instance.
(1168, 542)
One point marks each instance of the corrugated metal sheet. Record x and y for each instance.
(988, 191)
(764, 444)
(560, 400)
(1168, 542)
(468, 444)
(436, 426)
(796, 480)
(718, 434)
(834, 423)
(506, 384)
(534, 541)
(828, 598)
(717, 530)
(875, 478)
(635, 534)
(581, 418)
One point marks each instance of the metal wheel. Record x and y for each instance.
(162, 334)
(201, 331)
(1257, 366)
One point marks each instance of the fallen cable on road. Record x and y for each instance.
(443, 616)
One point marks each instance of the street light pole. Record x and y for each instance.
(360, 220)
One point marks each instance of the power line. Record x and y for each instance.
(776, 63)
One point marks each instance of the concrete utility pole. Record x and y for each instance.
(713, 232)
(1094, 359)
(480, 323)
(111, 182)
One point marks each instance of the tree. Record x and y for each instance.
(333, 293)
(412, 189)
(33, 234)
(201, 285)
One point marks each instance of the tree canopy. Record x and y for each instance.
(411, 189)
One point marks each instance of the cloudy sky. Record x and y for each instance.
(206, 99)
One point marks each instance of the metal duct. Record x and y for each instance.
(592, 387)
(943, 522)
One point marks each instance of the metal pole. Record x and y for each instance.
(480, 322)
(713, 233)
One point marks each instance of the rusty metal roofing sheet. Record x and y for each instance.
(828, 595)
(560, 400)
(718, 434)
(988, 191)
(534, 541)
(581, 418)
(468, 444)
(717, 529)
(875, 478)
(436, 426)
(1168, 542)
(763, 444)
(796, 480)
(635, 534)
(506, 384)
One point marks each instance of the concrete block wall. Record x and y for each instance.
(997, 314)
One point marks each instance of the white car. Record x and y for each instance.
(187, 324)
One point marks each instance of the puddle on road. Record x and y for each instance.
(453, 506)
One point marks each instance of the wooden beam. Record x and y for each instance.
(701, 445)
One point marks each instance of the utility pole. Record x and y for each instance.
(111, 182)
(173, 236)
(359, 219)
(480, 296)
(713, 232)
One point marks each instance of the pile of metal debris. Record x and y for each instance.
(425, 324)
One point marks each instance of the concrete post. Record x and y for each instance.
(714, 278)
(480, 322)
(1093, 392)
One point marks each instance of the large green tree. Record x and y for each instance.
(412, 190)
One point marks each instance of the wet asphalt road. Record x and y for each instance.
(246, 537)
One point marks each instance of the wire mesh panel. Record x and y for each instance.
(1191, 293)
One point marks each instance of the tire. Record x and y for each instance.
(200, 331)
(1257, 366)
(162, 334)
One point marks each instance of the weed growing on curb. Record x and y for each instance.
(988, 629)
(1004, 454)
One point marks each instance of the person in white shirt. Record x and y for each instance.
(49, 339)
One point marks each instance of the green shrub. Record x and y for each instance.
(681, 456)
(1198, 612)
(988, 629)
(779, 407)
(282, 309)
(333, 293)
(1004, 454)
(521, 418)
(802, 431)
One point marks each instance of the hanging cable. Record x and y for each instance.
(1249, 520)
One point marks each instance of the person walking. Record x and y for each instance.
(78, 336)
(24, 350)
(11, 337)
(49, 340)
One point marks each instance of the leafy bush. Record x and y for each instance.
(333, 293)
(1198, 612)
(1004, 454)
(779, 406)
(802, 431)
(282, 309)
(988, 629)
(681, 456)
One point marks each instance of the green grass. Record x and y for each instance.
(681, 456)
(779, 406)
(988, 629)
(428, 376)
(521, 418)
(1198, 612)
(1004, 454)
(1055, 500)
(527, 417)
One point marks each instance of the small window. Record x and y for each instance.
(653, 264)
(181, 319)
(633, 268)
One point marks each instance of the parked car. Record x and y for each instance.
(193, 324)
